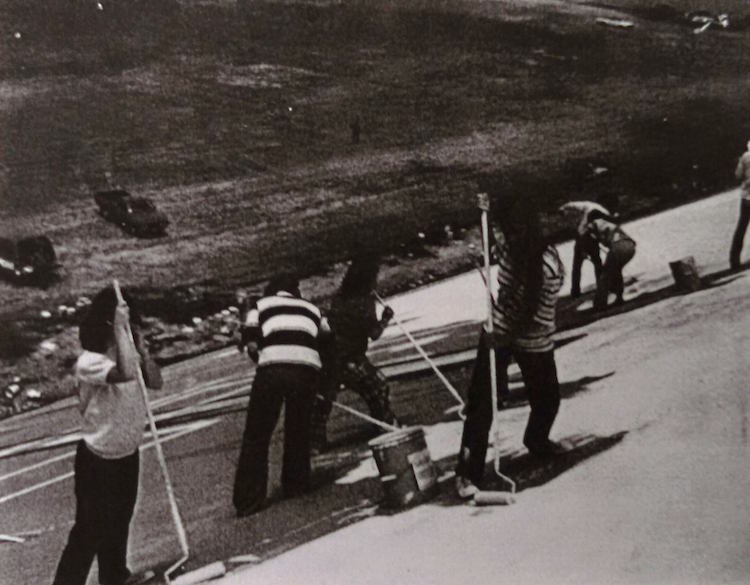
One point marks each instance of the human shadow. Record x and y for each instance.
(530, 471)
(570, 315)
(563, 341)
(516, 396)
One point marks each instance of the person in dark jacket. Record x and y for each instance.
(285, 331)
(354, 321)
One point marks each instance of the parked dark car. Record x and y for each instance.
(135, 215)
(30, 260)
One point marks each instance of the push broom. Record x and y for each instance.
(210, 570)
(429, 361)
(484, 498)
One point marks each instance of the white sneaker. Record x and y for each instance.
(465, 488)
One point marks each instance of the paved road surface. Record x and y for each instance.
(36, 491)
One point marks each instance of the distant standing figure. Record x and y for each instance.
(742, 172)
(356, 129)
(585, 246)
(107, 459)
(620, 250)
(354, 321)
(285, 329)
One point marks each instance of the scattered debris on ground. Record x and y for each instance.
(705, 19)
(615, 22)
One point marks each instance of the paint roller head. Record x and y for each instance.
(457, 410)
(490, 498)
(205, 573)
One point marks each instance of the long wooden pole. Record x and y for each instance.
(179, 526)
(484, 205)
(427, 358)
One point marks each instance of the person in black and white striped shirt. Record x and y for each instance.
(283, 332)
(529, 277)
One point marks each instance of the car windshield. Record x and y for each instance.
(141, 205)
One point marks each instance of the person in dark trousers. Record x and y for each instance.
(530, 275)
(285, 330)
(620, 250)
(107, 459)
(354, 320)
(742, 172)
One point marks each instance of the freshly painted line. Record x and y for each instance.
(36, 487)
(192, 428)
(40, 444)
(30, 468)
(220, 384)
(33, 446)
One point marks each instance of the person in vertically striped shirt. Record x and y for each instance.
(283, 331)
(529, 277)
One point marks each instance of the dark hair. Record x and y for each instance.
(520, 223)
(611, 201)
(286, 282)
(361, 277)
(95, 331)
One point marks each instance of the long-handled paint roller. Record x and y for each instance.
(429, 361)
(181, 535)
(496, 497)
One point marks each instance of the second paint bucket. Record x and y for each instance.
(407, 473)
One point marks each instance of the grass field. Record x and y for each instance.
(235, 118)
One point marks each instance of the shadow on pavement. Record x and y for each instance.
(517, 396)
(529, 471)
(570, 317)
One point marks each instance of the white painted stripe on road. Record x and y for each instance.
(191, 428)
(51, 443)
(200, 389)
(45, 443)
(30, 468)
(36, 487)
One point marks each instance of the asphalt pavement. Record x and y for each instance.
(341, 534)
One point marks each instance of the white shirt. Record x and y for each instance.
(114, 415)
(579, 211)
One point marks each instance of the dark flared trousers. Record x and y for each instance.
(543, 391)
(295, 386)
(106, 491)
